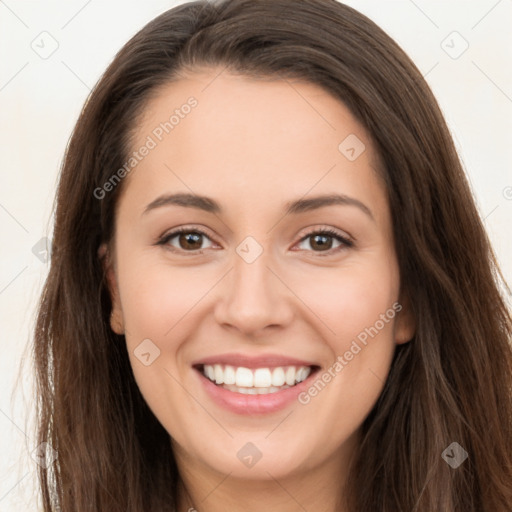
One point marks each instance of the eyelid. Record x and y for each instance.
(327, 229)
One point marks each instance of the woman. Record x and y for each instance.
(270, 288)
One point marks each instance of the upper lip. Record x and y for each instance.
(246, 361)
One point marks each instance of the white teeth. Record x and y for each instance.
(262, 378)
(290, 375)
(210, 373)
(229, 375)
(254, 391)
(219, 374)
(302, 374)
(278, 378)
(257, 381)
(244, 378)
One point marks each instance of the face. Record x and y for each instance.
(287, 300)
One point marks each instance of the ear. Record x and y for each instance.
(116, 317)
(405, 323)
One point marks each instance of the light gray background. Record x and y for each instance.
(40, 99)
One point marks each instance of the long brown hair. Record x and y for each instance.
(451, 383)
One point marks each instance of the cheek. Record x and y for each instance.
(357, 307)
(156, 298)
(352, 299)
(158, 305)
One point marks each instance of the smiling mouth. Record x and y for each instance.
(256, 381)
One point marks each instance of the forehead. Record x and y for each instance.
(271, 138)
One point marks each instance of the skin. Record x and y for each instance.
(253, 145)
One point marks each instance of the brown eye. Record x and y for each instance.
(186, 240)
(321, 241)
(190, 240)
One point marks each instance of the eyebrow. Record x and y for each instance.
(292, 207)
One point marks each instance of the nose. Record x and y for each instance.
(254, 297)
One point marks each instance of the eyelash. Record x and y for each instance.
(345, 242)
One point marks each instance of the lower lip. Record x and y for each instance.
(253, 404)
